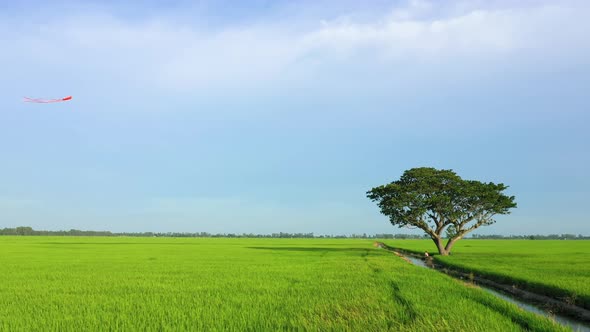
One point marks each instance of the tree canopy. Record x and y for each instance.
(438, 201)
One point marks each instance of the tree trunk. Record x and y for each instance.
(451, 243)
(439, 244)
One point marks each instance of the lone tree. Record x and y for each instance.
(438, 200)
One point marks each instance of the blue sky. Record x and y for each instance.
(279, 116)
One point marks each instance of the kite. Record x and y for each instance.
(46, 101)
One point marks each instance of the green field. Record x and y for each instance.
(172, 284)
(553, 267)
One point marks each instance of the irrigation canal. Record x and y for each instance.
(574, 324)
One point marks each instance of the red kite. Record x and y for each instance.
(46, 101)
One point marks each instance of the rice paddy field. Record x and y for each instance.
(175, 284)
(553, 267)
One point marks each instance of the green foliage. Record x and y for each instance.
(451, 232)
(433, 200)
(180, 284)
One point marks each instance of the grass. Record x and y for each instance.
(172, 284)
(553, 267)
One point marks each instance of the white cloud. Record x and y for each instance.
(164, 53)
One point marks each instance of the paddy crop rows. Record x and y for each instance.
(554, 267)
(171, 284)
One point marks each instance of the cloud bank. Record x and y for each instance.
(159, 52)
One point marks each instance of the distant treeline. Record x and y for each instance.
(533, 237)
(25, 230)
